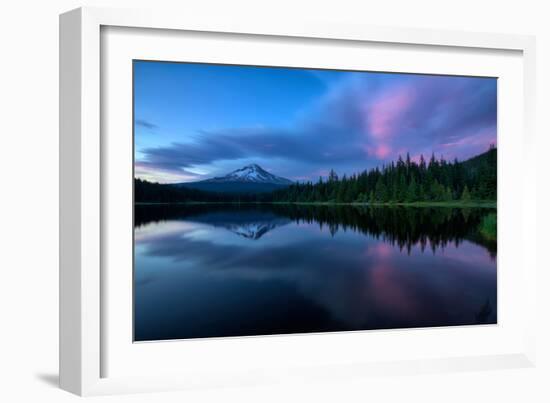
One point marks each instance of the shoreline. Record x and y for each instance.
(453, 204)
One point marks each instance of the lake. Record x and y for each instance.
(214, 270)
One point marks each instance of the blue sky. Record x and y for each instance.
(195, 121)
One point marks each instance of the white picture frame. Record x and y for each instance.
(83, 172)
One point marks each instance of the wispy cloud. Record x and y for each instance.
(146, 124)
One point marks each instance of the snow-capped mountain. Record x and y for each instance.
(249, 179)
(251, 173)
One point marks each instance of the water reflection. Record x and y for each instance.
(222, 270)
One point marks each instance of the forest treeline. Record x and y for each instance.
(401, 181)
(149, 192)
(405, 181)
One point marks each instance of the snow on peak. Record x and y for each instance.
(251, 173)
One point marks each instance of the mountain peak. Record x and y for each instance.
(253, 166)
(251, 173)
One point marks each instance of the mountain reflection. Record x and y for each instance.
(250, 224)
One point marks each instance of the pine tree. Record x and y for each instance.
(465, 194)
(412, 191)
(332, 176)
(381, 191)
(448, 194)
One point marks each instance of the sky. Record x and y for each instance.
(197, 121)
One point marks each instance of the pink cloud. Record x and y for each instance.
(380, 151)
(478, 138)
(473, 144)
(386, 112)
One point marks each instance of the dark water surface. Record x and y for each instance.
(230, 270)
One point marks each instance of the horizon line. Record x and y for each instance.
(382, 166)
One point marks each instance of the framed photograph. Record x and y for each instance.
(249, 202)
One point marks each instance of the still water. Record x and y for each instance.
(230, 270)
